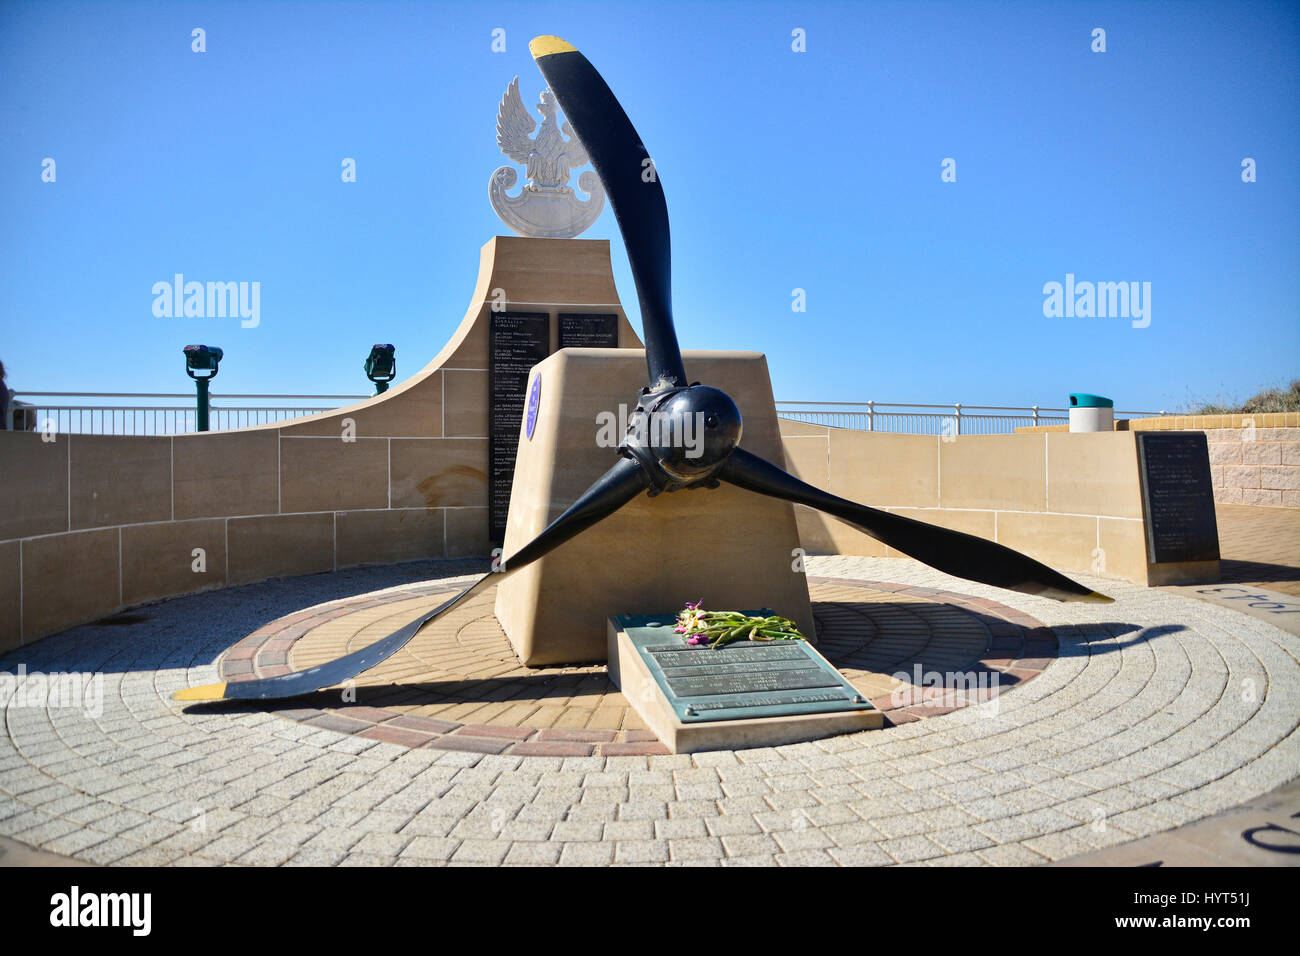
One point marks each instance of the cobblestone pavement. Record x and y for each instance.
(1159, 710)
(459, 686)
(1260, 832)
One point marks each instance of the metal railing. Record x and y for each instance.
(918, 419)
(126, 413)
(139, 413)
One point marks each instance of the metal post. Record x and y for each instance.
(957, 407)
(1035, 416)
(871, 416)
(202, 384)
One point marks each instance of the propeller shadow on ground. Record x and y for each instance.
(1232, 571)
(196, 629)
(1117, 639)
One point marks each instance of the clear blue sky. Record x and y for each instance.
(783, 170)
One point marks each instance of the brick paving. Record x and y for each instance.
(1155, 711)
(459, 686)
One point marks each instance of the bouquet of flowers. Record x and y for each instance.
(716, 628)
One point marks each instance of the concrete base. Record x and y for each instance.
(628, 671)
(1182, 572)
(729, 547)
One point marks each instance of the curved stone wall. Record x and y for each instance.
(1254, 458)
(96, 523)
(1073, 501)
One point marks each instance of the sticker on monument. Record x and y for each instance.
(534, 401)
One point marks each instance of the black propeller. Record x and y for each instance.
(654, 453)
(953, 552)
(632, 184)
(618, 154)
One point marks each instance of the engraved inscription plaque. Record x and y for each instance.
(740, 680)
(1177, 497)
(790, 678)
(588, 330)
(516, 342)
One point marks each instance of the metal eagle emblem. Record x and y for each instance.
(546, 207)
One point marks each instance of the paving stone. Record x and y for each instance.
(910, 849)
(629, 830)
(586, 854)
(46, 832)
(226, 849)
(149, 856)
(316, 857)
(74, 842)
(851, 834)
(697, 849)
(641, 851)
(1010, 855)
(732, 825)
(806, 858)
(680, 828)
(743, 844)
(534, 854)
(430, 848)
(806, 837)
(1117, 738)
(866, 854)
(267, 854)
(480, 851)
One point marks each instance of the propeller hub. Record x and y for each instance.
(683, 435)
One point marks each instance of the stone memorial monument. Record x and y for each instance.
(733, 539)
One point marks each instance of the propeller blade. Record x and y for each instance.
(610, 492)
(633, 187)
(953, 552)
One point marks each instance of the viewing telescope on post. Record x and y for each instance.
(202, 358)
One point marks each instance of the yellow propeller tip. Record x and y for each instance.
(1093, 597)
(546, 45)
(205, 692)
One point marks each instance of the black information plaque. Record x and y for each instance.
(516, 342)
(1177, 497)
(588, 330)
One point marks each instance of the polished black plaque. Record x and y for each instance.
(1177, 497)
(595, 330)
(516, 342)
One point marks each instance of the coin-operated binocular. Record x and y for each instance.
(202, 358)
(381, 367)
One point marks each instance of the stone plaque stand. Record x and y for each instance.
(628, 670)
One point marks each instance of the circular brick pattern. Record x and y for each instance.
(1158, 710)
(916, 652)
